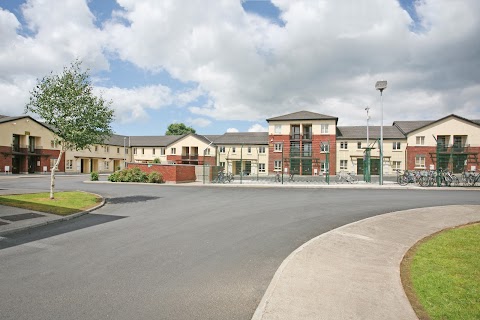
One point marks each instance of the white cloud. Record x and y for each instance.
(258, 128)
(199, 122)
(232, 130)
(326, 58)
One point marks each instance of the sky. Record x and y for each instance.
(228, 65)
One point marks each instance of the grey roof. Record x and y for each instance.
(360, 132)
(408, 126)
(247, 138)
(302, 115)
(153, 141)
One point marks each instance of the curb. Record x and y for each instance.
(65, 218)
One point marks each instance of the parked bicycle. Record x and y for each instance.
(346, 177)
(277, 177)
(291, 177)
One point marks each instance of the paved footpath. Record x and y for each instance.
(353, 272)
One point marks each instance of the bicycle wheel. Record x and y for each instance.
(353, 179)
(339, 179)
(455, 181)
(403, 181)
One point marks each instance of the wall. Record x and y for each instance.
(171, 173)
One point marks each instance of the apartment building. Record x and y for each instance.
(305, 143)
(302, 142)
(243, 152)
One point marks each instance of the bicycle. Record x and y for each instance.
(291, 177)
(347, 177)
(277, 177)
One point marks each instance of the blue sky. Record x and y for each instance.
(228, 66)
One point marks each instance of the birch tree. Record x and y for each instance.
(66, 103)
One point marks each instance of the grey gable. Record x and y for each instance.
(302, 115)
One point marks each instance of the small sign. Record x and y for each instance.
(432, 167)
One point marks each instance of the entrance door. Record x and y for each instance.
(15, 164)
(374, 166)
(31, 164)
(238, 167)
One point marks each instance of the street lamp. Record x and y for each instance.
(124, 152)
(381, 85)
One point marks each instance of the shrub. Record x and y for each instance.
(93, 176)
(155, 177)
(156, 160)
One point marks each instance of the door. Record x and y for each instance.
(15, 164)
(31, 164)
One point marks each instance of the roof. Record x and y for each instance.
(302, 115)
(360, 132)
(238, 138)
(4, 119)
(154, 141)
(410, 126)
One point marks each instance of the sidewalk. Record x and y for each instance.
(353, 272)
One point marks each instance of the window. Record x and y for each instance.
(249, 150)
(344, 145)
(162, 151)
(143, 150)
(307, 132)
(96, 148)
(261, 150)
(324, 128)
(277, 147)
(106, 165)
(118, 150)
(324, 147)
(207, 151)
(53, 144)
(277, 165)
(222, 164)
(261, 167)
(396, 165)
(307, 149)
(359, 145)
(173, 150)
(420, 140)
(324, 167)
(278, 129)
(126, 151)
(295, 132)
(153, 151)
(420, 161)
(221, 149)
(69, 165)
(107, 149)
(234, 149)
(134, 150)
(396, 146)
(52, 163)
(343, 164)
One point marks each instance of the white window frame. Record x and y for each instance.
(261, 149)
(397, 145)
(419, 161)
(222, 164)
(207, 151)
(261, 167)
(324, 148)
(162, 151)
(277, 165)
(420, 140)
(69, 165)
(277, 147)
(221, 149)
(173, 150)
(396, 165)
(234, 149)
(249, 150)
(106, 165)
(344, 145)
(118, 150)
(324, 167)
(153, 150)
(324, 128)
(134, 150)
(52, 163)
(359, 145)
(343, 164)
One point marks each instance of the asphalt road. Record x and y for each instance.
(175, 252)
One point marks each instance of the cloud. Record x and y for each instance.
(325, 58)
(257, 128)
(232, 130)
(199, 122)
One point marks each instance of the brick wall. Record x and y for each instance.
(45, 157)
(5, 160)
(413, 151)
(171, 172)
(316, 154)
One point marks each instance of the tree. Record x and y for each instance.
(178, 129)
(66, 103)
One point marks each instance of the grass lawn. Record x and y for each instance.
(441, 275)
(65, 203)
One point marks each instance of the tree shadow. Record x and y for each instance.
(130, 199)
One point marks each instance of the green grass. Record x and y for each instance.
(445, 274)
(65, 203)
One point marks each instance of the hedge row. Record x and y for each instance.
(135, 175)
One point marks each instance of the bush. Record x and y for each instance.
(156, 160)
(155, 177)
(93, 176)
(135, 175)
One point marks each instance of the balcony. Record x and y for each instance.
(295, 136)
(189, 156)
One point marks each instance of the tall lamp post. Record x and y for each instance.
(124, 152)
(366, 165)
(381, 85)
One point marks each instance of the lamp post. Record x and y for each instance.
(381, 85)
(124, 152)
(366, 164)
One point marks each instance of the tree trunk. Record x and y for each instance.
(52, 174)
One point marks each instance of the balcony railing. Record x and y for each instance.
(295, 136)
(189, 156)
